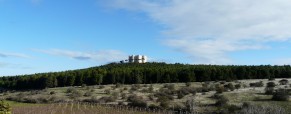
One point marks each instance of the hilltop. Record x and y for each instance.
(147, 73)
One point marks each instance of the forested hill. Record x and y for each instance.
(143, 73)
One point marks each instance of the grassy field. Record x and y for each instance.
(148, 98)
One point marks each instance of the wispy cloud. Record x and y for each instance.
(100, 56)
(2, 64)
(208, 30)
(18, 55)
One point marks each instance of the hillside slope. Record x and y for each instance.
(143, 73)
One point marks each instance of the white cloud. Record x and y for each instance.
(207, 30)
(18, 55)
(102, 56)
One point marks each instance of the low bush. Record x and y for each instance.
(88, 94)
(220, 89)
(106, 99)
(230, 86)
(271, 84)
(237, 86)
(281, 95)
(257, 84)
(283, 82)
(169, 86)
(222, 101)
(269, 90)
(188, 84)
(75, 94)
(4, 108)
(136, 101)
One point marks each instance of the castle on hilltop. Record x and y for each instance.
(136, 59)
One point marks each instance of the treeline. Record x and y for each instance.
(144, 73)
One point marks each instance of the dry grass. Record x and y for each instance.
(203, 101)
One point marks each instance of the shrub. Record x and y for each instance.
(164, 104)
(88, 93)
(93, 99)
(180, 95)
(190, 105)
(220, 89)
(75, 94)
(115, 95)
(169, 86)
(118, 85)
(271, 84)
(123, 95)
(283, 82)
(230, 86)
(222, 101)
(106, 99)
(101, 87)
(4, 108)
(135, 87)
(237, 86)
(188, 84)
(269, 90)
(136, 101)
(257, 84)
(281, 95)
(70, 90)
(151, 89)
(107, 91)
(162, 96)
(185, 91)
(52, 92)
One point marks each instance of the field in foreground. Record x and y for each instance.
(193, 97)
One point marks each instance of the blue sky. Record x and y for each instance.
(53, 35)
